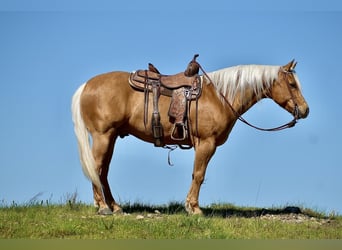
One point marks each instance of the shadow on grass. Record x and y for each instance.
(220, 210)
(248, 212)
(171, 208)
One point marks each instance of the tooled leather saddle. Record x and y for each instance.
(183, 88)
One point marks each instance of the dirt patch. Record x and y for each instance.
(295, 218)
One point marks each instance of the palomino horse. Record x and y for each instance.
(107, 107)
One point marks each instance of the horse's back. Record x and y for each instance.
(107, 81)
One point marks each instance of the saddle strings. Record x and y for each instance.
(170, 148)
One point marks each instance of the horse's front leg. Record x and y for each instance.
(204, 150)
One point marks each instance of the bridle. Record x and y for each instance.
(290, 124)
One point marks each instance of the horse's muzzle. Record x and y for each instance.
(301, 113)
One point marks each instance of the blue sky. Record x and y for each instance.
(47, 54)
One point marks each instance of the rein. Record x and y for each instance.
(290, 124)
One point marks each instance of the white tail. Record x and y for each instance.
(82, 135)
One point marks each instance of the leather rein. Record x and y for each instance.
(290, 124)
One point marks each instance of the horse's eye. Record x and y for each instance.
(293, 85)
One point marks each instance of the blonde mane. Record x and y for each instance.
(233, 80)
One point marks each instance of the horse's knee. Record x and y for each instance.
(198, 178)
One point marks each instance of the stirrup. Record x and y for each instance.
(175, 131)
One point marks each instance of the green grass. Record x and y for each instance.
(221, 221)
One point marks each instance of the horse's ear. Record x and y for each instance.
(290, 66)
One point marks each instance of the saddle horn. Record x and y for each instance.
(195, 56)
(193, 67)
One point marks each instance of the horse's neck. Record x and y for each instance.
(244, 85)
(244, 101)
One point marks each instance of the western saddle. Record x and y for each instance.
(182, 88)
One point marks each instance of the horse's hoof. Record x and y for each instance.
(197, 211)
(105, 211)
(192, 210)
(117, 210)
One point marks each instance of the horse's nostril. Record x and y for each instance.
(306, 112)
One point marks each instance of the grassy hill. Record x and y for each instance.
(75, 220)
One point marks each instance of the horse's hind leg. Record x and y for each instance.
(103, 147)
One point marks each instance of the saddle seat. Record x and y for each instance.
(141, 78)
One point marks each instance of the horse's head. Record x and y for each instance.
(286, 91)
